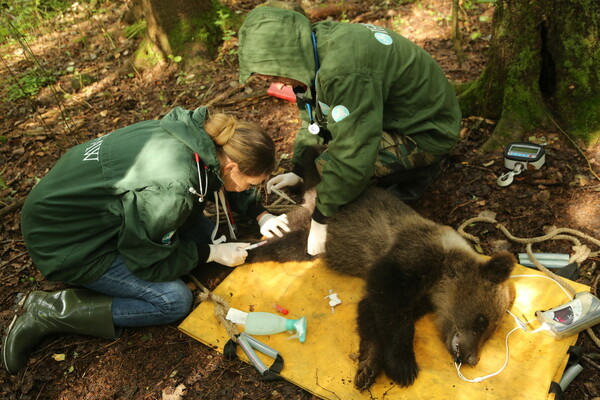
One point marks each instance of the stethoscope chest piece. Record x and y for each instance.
(314, 129)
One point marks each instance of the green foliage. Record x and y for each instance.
(25, 15)
(3, 184)
(186, 31)
(81, 39)
(225, 23)
(25, 278)
(184, 78)
(468, 5)
(137, 29)
(4, 32)
(228, 22)
(29, 84)
(147, 55)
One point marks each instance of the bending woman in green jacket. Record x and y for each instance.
(381, 104)
(121, 216)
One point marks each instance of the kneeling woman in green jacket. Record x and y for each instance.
(121, 217)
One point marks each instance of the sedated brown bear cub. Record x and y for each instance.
(411, 266)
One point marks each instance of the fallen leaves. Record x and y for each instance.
(174, 393)
(580, 180)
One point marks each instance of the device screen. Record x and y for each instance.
(564, 315)
(521, 149)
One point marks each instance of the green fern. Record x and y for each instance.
(29, 85)
(136, 29)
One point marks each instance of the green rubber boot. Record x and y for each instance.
(66, 311)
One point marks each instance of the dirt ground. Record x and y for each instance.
(145, 363)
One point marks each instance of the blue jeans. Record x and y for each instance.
(141, 303)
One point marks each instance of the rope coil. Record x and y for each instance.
(581, 251)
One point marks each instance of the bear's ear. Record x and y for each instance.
(498, 268)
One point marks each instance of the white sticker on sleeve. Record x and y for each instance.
(339, 113)
(383, 38)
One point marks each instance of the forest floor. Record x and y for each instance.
(146, 363)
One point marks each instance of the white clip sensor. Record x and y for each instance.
(517, 156)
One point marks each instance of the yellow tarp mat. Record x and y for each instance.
(324, 365)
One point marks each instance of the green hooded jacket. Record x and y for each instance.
(370, 79)
(125, 193)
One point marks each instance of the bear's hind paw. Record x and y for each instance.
(364, 378)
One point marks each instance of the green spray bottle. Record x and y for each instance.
(265, 323)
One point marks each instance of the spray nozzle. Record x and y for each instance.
(298, 325)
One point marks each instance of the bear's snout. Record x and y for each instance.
(472, 359)
(463, 353)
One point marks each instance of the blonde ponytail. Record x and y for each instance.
(244, 143)
(220, 127)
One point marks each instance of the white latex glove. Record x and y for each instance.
(271, 225)
(230, 254)
(283, 180)
(316, 238)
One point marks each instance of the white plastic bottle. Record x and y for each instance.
(264, 323)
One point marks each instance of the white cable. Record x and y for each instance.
(479, 379)
(520, 325)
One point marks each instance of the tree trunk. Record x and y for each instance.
(184, 29)
(543, 66)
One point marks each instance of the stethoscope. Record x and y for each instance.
(203, 190)
(219, 196)
(313, 127)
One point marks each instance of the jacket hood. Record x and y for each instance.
(188, 127)
(276, 42)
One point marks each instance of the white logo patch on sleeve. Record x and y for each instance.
(383, 38)
(338, 113)
(380, 34)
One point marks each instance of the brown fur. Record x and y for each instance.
(411, 266)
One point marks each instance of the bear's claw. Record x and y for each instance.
(364, 377)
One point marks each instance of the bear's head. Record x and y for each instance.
(471, 300)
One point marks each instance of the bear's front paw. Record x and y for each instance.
(365, 376)
(403, 370)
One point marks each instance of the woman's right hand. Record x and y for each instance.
(229, 254)
(283, 180)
